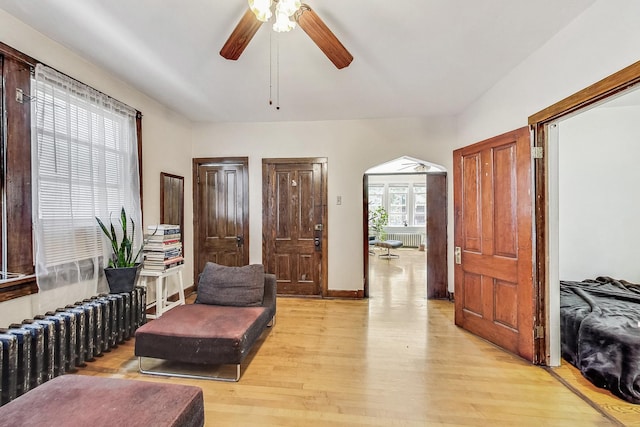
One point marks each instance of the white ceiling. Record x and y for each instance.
(412, 58)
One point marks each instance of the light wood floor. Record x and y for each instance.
(393, 360)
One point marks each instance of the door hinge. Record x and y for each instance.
(537, 153)
(198, 179)
(538, 332)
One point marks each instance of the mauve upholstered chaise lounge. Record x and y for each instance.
(79, 400)
(233, 308)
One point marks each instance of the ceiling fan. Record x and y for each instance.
(308, 20)
(416, 166)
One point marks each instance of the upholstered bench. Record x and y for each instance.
(389, 244)
(79, 400)
(208, 332)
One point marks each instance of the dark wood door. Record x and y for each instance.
(494, 295)
(294, 227)
(221, 212)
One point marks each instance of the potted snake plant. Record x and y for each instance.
(123, 269)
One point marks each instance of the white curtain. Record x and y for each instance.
(85, 165)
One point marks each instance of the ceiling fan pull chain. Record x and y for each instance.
(277, 69)
(270, 68)
(278, 72)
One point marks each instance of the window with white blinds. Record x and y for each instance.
(419, 204)
(398, 198)
(405, 202)
(376, 196)
(85, 165)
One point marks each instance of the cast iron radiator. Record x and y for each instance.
(409, 240)
(60, 341)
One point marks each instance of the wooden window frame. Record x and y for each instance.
(17, 157)
(17, 149)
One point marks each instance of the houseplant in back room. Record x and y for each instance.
(123, 269)
(378, 220)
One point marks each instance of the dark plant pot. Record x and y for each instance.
(122, 279)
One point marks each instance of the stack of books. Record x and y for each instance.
(163, 247)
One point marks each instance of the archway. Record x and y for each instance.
(420, 204)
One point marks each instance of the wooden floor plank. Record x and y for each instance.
(395, 359)
(627, 413)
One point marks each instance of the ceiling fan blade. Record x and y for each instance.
(322, 36)
(241, 36)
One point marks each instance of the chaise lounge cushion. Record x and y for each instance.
(202, 333)
(231, 286)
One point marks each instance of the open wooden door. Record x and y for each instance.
(437, 280)
(494, 294)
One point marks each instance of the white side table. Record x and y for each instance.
(161, 303)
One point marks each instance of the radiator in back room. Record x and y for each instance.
(409, 240)
(40, 349)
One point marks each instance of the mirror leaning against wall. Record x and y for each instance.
(172, 200)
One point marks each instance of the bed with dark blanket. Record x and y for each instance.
(600, 321)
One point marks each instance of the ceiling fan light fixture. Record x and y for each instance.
(284, 10)
(261, 8)
(289, 14)
(288, 7)
(283, 23)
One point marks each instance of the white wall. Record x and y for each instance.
(166, 141)
(596, 44)
(598, 203)
(351, 147)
